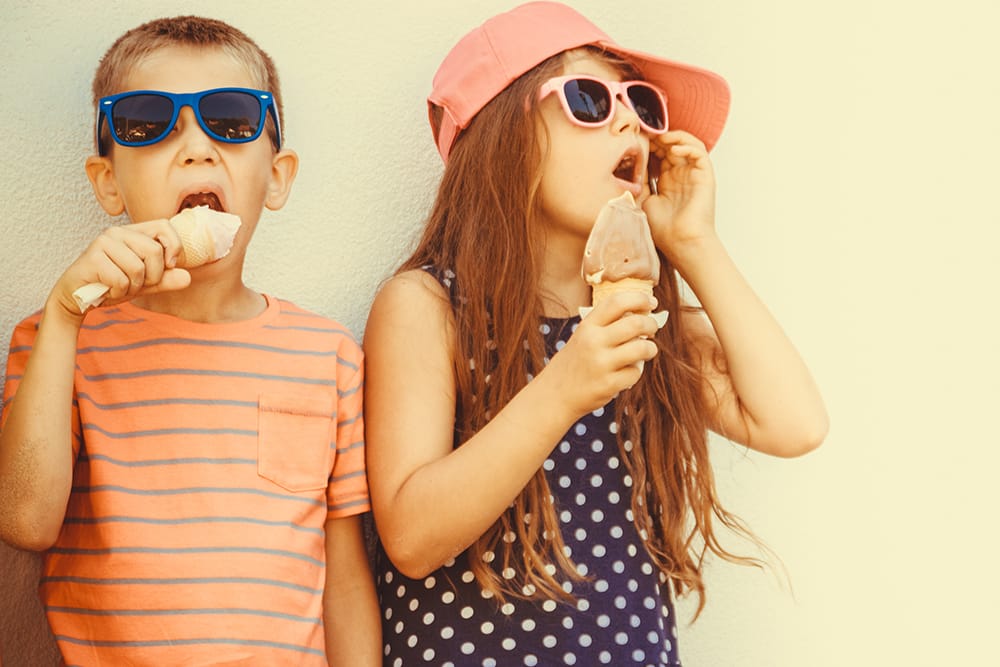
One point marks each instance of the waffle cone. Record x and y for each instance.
(605, 288)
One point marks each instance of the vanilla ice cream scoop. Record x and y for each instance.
(206, 235)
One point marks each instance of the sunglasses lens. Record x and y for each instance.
(648, 106)
(231, 115)
(141, 118)
(589, 101)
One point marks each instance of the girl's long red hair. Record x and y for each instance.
(483, 227)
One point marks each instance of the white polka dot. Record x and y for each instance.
(411, 641)
(627, 445)
(549, 464)
(398, 662)
(508, 644)
(560, 344)
(604, 620)
(564, 447)
(618, 566)
(489, 662)
(627, 481)
(621, 639)
(429, 582)
(388, 577)
(616, 532)
(613, 463)
(582, 569)
(508, 573)
(549, 605)
(650, 603)
(548, 641)
(599, 550)
(605, 658)
(564, 482)
(601, 586)
(565, 516)
(653, 637)
(613, 497)
(567, 622)
(428, 655)
(401, 591)
(428, 618)
(486, 628)
(488, 556)
(598, 412)
(646, 569)
(388, 613)
(468, 577)
(597, 516)
(580, 534)
(545, 328)
(468, 648)
(613, 427)
(583, 604)
(634, 620)
(466, 612)
(447, 632)
(596, 481)
(550, 569)
(580, 428)
(620, 602)
(568, 587)
(569, 659)
(414, 603)
(528, 624)
(399, 628)
(638, 655)
(581, 464)
(632, 550)
(585, 640)
(597, 446)
(530, 660)
(448, 597)
(507, 609)
(485, 594)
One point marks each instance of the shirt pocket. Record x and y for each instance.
(294, 433)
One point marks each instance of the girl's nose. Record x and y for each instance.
(625, 119)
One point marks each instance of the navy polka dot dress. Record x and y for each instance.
(622, 616)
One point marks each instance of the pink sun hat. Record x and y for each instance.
(494, 54)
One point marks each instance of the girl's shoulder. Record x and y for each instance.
(414, 299)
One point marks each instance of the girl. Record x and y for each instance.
(539, 497)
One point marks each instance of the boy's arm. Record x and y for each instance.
(350, 606)
(36, 452)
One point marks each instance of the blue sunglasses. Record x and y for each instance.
(144, 117)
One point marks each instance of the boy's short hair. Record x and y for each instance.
(133, 46)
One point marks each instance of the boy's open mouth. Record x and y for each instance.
(208, 199)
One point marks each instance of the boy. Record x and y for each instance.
(190, 453)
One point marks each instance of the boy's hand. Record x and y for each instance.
(600, 358)
(683, 210)
(129, 259)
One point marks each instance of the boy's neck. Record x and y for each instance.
(209, 303)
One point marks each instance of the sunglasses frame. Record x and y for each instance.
(615, 90)
(106, 105)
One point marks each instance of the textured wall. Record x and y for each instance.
(857, 180)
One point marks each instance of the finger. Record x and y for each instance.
(173, 279)
(630, 327)
(163, 233)
(147, 249)
(613, 307)
(679, 138)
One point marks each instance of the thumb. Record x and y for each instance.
(172, 280)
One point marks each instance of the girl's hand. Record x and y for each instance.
(683, 210)
(130, 259)
(601, 357)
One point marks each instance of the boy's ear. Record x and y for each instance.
(283, 169)
(101, 173)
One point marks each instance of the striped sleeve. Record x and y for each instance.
(347, 493)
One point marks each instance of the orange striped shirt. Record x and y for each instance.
(208, 458)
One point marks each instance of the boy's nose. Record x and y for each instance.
(195, 146)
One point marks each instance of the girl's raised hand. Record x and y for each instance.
(130, 259)
(683, 210)
(601, 357)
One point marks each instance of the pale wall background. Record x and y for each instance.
(858, 181)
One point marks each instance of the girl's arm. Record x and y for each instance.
(36, 453)
(431, 501)
(350, 606)
(763, 393)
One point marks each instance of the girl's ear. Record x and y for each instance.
(101, 173)
(283, 169)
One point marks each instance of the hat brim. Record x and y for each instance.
(697, 99)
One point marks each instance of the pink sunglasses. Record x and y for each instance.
(590, 102)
